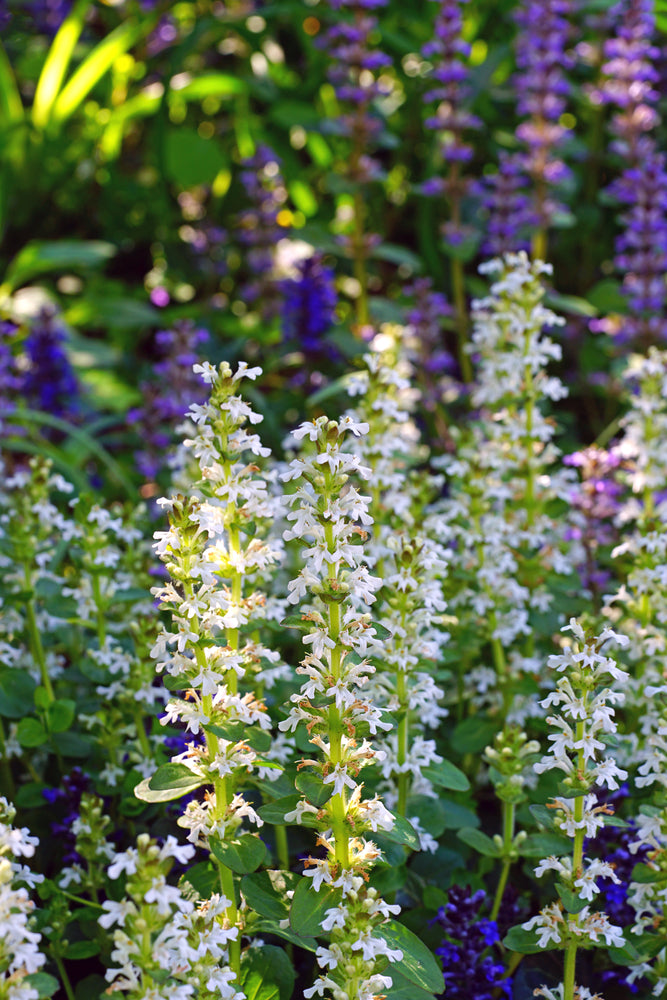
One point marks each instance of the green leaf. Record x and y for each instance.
(267, 972)
(473, 734)
(381, 632)
(403, 989)
(430, 812)
(457, 816)
(274, 812)
(45, 984)
(45, 257)
(11, 105)
(170, 781)
(190, 159)
(30, 796)
(418, 964)
(73, 744)
(542, 845)
(96, 64)
(60, 714)
(480, 842)
(446, 775)
(308, 907)
(211, 85)
(204, 879)
(297, 621)
(242, 855)
(627, 955)
(645, 874)
(545, 817)
(402, 832)
(571, 901)
(266, 892)
(525, 942)
(311, 786)
(81, 949)
(57, 61)
(31, 733)
(267, 926)
(255, 737)
(16, 691)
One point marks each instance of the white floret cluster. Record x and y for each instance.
(19, 944)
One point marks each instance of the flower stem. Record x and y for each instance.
(509, 809)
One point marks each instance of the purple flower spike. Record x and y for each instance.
(168, 395)
(508, 207)
(641, 248)
(308, 309)
(542, 87)
(450, 119)
(49, 382)
(258, 229)
(468, 972)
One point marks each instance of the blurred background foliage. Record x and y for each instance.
(125, 127)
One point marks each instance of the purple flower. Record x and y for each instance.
(258, 229)
(468, 970)
(449, 118)
(43, 17)
(167, 396)
(309, 304)
(69, 798)
(629, 79)
(48, 382)
(507, 206)
(542, 87)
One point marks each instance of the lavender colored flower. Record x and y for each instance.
(168, 395)
(629, 78)
(425, 320)
(468, 970)
(449, 118)
(543, 88)
(309, 304)
(10, 382)
(507, 207)
(49, 382)
(597, 501)
(258, 228)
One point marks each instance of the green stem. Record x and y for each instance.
(35, 640)
(63, 975)
(100, 620)
(282, 847)
(509, 809)
(539, 245)
(359, 260)
(461, 318)
(5, 769)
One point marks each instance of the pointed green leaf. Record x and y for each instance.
(525, 942)
(645, 874)
(46, 256)
(57, 61)
(418, 964)
(266, 973)
(446, 775)
(479, 842)
(311, 786)
(266, 892)
(170, 781)
(242, 855)
(309, 907)
(571, 901)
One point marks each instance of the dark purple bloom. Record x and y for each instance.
(309, 304)
(468, 970)
(68, 798)
(49, 382)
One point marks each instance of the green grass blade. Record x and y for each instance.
(96, 64)
(57, 61)
(60, 462)
(11, 105)
(88, 443)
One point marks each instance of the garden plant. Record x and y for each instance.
(333, 499)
